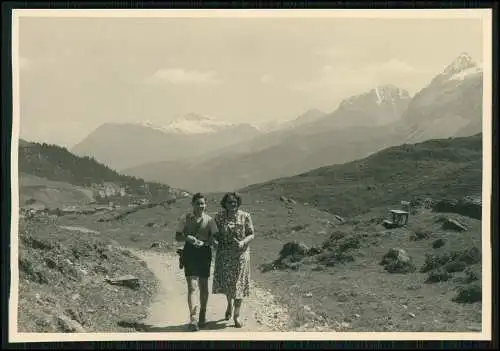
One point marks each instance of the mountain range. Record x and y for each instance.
(200, 153)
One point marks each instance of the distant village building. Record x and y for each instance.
(108, 189)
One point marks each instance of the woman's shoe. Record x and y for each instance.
(193, 327)
(237, 322)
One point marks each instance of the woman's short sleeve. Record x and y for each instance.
(249, 229)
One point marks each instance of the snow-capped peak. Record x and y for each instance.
(152, 126)
(389, 92)
(196, 124)
(462, 62)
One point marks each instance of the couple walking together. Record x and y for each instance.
(230, 232)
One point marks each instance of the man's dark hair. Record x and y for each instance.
(196, 197)
(227, 195)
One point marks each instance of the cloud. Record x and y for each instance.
(265, 79)
(182, 76)
(332, 52)
(348, 79)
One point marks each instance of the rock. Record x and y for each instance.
(126, 280)
(467, 206)
(68, 325)
(475, 328)
(412, 315)
(308, 294)
(340, 219)
(398, 261)
(156, 245)
(452, 224)
(342, 297)
(345, 325)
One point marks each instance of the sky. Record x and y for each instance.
(77, 73)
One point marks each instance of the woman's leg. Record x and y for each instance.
(191, 298)
(229, 309)
(237, 310)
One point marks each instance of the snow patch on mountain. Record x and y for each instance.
(461, 68)
(191, 124)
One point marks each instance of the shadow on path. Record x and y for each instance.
(141, 327)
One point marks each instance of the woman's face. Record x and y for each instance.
(231, 203)
(199, 205)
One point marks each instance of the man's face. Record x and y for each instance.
(199, 205)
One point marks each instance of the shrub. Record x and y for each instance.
(438, 243)
(469, 294)
(438, 275)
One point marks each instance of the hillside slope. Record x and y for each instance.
(51, 194)
(443, 168)
(56, 163)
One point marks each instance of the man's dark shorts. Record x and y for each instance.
(197, 261)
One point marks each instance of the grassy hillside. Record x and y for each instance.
(58, 164)
(51, 194)
(62, 280)
(443, 168)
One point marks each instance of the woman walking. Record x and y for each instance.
(197, 230)
(232, 261)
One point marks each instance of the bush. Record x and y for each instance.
(455, 266)
(469, 257)
(398, 261)
(293, 248)
(438, 243)
(472, 274)
(469, 294)
(439, 275)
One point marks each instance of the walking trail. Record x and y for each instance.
(168, 311)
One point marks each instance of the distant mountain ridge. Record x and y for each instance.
(122, 145)
(193, 123)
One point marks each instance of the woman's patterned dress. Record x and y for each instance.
(232, 264)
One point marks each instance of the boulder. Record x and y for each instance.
(398, 261)
(125, 280)
(69, 325)
(452, 224)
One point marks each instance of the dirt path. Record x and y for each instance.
(168, 311)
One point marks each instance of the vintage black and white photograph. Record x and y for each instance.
(196, 174)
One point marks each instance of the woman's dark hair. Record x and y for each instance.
(196, 197)
(227, 195)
